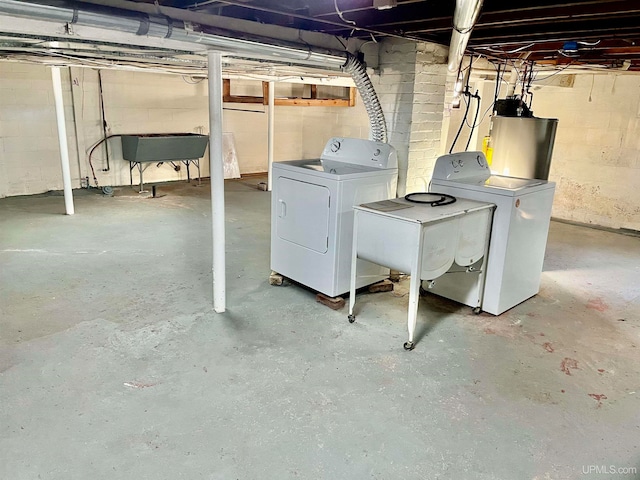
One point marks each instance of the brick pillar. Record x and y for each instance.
(411, 88)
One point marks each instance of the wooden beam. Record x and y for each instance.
(314, 102)
(352, 96)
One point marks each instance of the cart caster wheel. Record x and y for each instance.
(352, 318)
(477, 310)
(409, 345)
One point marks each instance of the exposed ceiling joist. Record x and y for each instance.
(606, 32)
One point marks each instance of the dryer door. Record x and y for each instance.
(302, 213)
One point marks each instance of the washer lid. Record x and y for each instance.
(470, 170)
(496, 184)
(331, 169)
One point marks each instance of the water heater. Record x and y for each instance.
(523, 146)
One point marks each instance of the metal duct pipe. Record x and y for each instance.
(162, 27)
(376, 116)
(464, 18)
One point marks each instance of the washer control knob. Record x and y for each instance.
(335, 146)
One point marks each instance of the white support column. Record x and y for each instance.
(272, 112)
(216, 169)
(62, 140)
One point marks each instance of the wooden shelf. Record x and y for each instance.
(312, 101)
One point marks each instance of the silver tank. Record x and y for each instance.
(522, 147)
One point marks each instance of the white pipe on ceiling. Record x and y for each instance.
(464, 18)
(165, 28)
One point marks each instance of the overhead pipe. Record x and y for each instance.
(165, 28)
(464, 18)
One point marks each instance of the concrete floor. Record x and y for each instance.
(114, 365)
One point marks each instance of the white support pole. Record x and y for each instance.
(216, 171)
(272, 114)
(62, 140)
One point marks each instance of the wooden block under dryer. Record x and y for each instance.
(384, 286)
(335, 303)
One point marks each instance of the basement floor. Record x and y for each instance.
(114, 365)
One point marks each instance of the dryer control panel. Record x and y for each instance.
(462, 165)
(361, 152)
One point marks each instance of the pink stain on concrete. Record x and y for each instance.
(597, 304)
(568, 364)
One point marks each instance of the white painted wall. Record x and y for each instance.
(142, 102)
(455, 116)
(596, 159)
(28, 140)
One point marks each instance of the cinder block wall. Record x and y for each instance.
(410, 83)
(394, 83)
(427, 115)
(142, 102)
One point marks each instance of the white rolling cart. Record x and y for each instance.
(422, 240)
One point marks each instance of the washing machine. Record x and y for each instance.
(518, 233)
(312, 212)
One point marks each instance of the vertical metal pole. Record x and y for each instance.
(272, 111)
(62, 140)
(141, 170)
(216, 169)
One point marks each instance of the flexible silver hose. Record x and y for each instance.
(357, 70)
